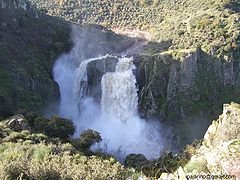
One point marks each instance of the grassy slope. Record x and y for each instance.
(27, 155)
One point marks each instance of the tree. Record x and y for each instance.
(137, 161)
(87, 138)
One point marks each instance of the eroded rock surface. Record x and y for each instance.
(17, 123)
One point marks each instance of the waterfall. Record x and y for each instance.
(116, 118)
(123, 130)
(119, 93)
(72, 81)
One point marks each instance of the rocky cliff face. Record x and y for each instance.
(186, 89)
(95, 71)
(226, 128)
(177, 88)
(221, 144)
(219, 152)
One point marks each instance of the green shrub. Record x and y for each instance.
(54, 127)
(137, 161)
(37, 161)
(197, 164)
(87, 139)
(41, 152)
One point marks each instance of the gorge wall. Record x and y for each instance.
(181, 86)
(22, 4)
(29, 45)
(186, 93)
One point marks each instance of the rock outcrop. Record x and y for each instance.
(219, 153)
(17, 123)
(16, 4)
(19, 4)
(172, 87)
(221, 145)
(218, 156)
(95, 70)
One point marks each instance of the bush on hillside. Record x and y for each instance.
(54, 127)
(48, 161)
(87, 138)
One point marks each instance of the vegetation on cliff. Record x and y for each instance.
(28, 48)
(212, 24)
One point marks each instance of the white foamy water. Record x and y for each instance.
(119, 93)
(120, 125)
(72, 81)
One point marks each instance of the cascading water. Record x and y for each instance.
(81, 79)
(72, 81)
(119, 93)
(127, 133)
(116, 118)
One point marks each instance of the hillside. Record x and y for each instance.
(212, 24)
(28, 48)
(24, 152)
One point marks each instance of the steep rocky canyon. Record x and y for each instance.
(183, 75)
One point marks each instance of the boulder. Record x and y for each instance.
(17, 123)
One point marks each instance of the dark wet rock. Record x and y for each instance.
(95, 70)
